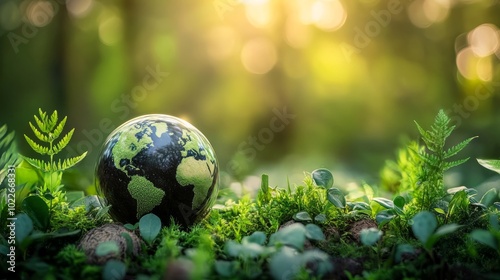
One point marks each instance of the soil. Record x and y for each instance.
(358, 226)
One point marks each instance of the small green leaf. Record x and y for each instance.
(232, 248)
(302, 217)
(106, 248)
(491, 164)
(452, 191)
(149, 227)
(114, 270)
(399, 201)
(128, 240)
(485, 237)
(131, 227)
(293, 235)
(23, 227)
(386, 203)
(489, 197)
(320, 218)
(37, 210)
(323, 178)
(440, 211)
(257, 237)
(370, 236)
(314, 232)
(285, 264)
(494, 222)
(227, 268)
(424, 224)
(336, 197)
(384, 216)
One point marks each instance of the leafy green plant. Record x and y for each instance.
(491, 164)
(48, 130)
(8, 151)
(392, 208)
(425, 228)
(284, 254)
(431, 187)
(490, 237)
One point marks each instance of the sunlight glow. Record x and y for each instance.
(466, 63)
(221, 41)
(40, 13)
(328, 15)
(110, 30)
(79, 8)
(484, 40)
(297, 35)
(259, 56)
(259, 14)
(424, 13)
(484, 69)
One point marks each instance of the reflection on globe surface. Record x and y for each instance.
(157, 164)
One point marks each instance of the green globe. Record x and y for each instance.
(157, 164)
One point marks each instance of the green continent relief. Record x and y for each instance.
(147, 195)
(197, 173)
(128, 145)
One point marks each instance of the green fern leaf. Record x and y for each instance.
(70, 162)
(58, 130)
(52, 122)
(39, 134)
(62, 143)
(8, 151)
(457, 148)
(41, 124)
(451, 164)
(423, 133)
(38, 164)
(37, 148)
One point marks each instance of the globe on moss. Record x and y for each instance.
(157, 164)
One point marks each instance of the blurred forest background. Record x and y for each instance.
(280, 86)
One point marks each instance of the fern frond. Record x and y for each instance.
(457, 148)
(3, 130)
(37, 148)
(423, 133)
(62, 165)
(38, 164)
(8, 151)
(52, 122)
(39, 134)
(62, 143)
(59, 128)
(451, 164)
(41, 124)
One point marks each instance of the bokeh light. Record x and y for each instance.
(40, 13)
(259, 56)
(484, 40)
(110, 30)
(79, 8)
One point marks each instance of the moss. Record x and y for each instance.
(146, 194)
(64, 216)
